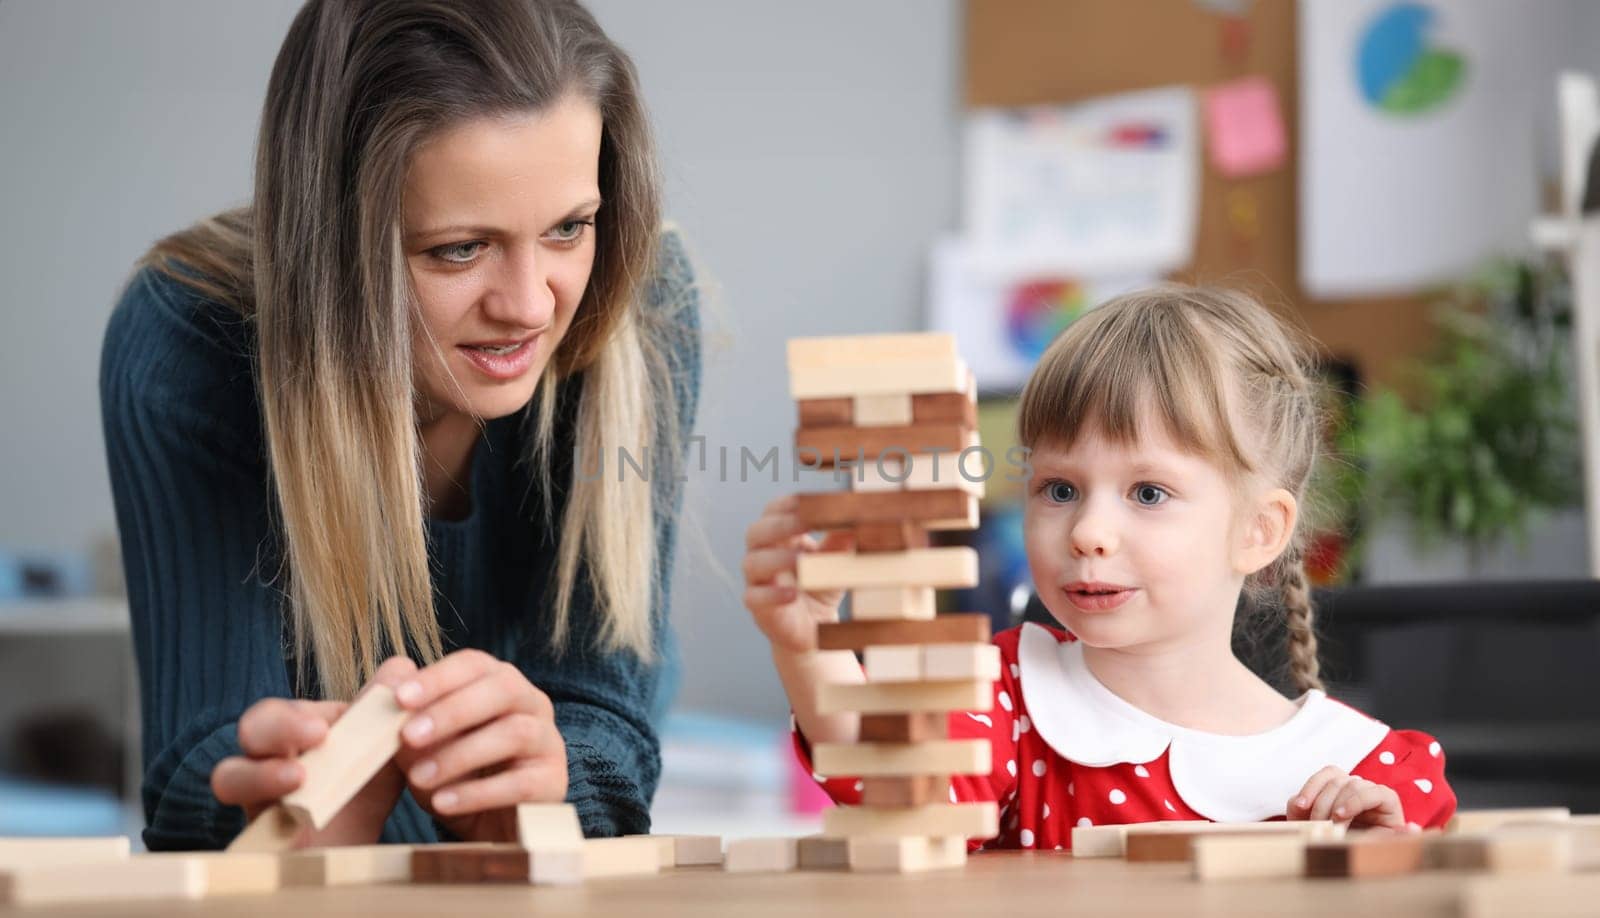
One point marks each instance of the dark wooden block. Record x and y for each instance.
(827, 412)
(1159, 847)
(818, 446)
(905, 728)
(958, 628)
(1367, 856)
(890, 536)
(839, 509)
(943, 408)
(912, 790)
(458, 865)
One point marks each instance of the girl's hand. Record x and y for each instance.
(787, 616)
(1333, 794)
(273, 733)
(481, 739)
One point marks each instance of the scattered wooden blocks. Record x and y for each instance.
(948, 757)
(968, 820)
(1369, 854)
(348, 865)
(133, 878)
(905, 697)
(761, 855)
(968, 627)
(29, 853)
(696, 850)
(905, 728)
(1115, 840)
(1509, 849)
(612, 857)
(819, 852)
(910, 790)
(548, 825)
(954, 566)
(1568, 896)
(452, 864)
(1234, 857)
(1484, 820)
(909, 854)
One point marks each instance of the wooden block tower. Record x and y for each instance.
(897, 412)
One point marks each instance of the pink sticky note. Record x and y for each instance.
(1243, 127)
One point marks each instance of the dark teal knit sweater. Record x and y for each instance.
(189, 476)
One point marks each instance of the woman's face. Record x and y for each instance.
(499, 236)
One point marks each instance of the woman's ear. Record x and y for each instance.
(1268, 528)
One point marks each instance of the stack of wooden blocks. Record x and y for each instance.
(898, 415)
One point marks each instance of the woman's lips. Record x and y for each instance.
(505, 366)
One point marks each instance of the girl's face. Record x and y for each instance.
(1139, 546)
(499, 238)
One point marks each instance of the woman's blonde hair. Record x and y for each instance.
(316, 262)
(1228, 381)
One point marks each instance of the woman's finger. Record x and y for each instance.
(393, 672)
(503, 691)
(505, 739)
(280, 727)
(439, 679)
(241, 781)
(538, 781)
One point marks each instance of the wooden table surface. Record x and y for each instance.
(997, 883)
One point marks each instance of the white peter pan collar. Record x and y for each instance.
(1223, 778)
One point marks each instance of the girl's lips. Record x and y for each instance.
(503, 366)
(1097, 601)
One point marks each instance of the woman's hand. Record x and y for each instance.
(273, 733)
(786, 615)
(481, 739)
(1333, 794)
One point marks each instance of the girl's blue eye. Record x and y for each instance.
(1060, 492)
(1149, 495)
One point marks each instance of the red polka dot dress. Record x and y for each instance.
(1068, 752)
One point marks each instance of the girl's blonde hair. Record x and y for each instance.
(1227, 380)
(315, 262)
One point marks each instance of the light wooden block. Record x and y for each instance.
(910, 854)
(1112, 840)
(761, 855)
(104, 881)
(968, 820)
(1569, 896)
(819, 852)
(613, 857)
(855, 350)
(941, 757)
(274, 829)
(1099, 841)
(228, 874)
(882, 474)
(1509, 849)
(905, 728)
(1369, 854)
(548, 825)
(948, 567)
(359, 743)
(348, 865)
(28, 853)
(910, 377)
(1236, 857)
(893, 410)
(905, 790)
(964, 627)
(892, 663)
(904, 697)
(1484, 820)
(961, 661)
(916, 603)
(696, 850)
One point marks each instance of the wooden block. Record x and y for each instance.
(104, 881)
(953, 566)
(1484, 820)
(940, 757)
(960, 661)
(1175, 841)
(612, 857)
(892, 410)
(882, 474)
(360, 742)
(28, 853)
(1368, 854)
(841, 509)
(696, 850)
(225, 873)
(548, 825)
(911, 378)
(855, 350)
(470, 863)
(828, 412)
(968, 820)
(1256, 856)
(274, 829)
(911, 790)
(910, 854)
(901, 536)
(905, 728)
(1509, 849)
(933, 471)
(761, 855)
(966, 627)
(348, 865)
(818, 852)
(905, 697)
(892, 663)
(833, 447)
(871, 604)
(1099, 841)
(944, 408)
(1567, 896)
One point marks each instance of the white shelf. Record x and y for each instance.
(79, 615)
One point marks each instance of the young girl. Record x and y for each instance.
(1172, 434)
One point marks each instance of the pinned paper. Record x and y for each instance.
(1244, 130)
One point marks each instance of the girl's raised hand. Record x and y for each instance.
(787, 615)
(1333, 794)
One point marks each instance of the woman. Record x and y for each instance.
(341, 425)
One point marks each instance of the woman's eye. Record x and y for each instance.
(460, 253)
(1060, 492)
(570, 231)
(1150, 495)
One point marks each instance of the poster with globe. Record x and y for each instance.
(1419, 126)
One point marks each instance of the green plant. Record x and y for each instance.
(1487, 437)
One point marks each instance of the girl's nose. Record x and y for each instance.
(1093, 535)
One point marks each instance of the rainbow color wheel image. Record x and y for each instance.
(1037, 311)
(1397, 70)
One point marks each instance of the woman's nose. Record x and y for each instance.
(521, 295)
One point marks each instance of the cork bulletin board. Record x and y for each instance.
(1032, 52)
